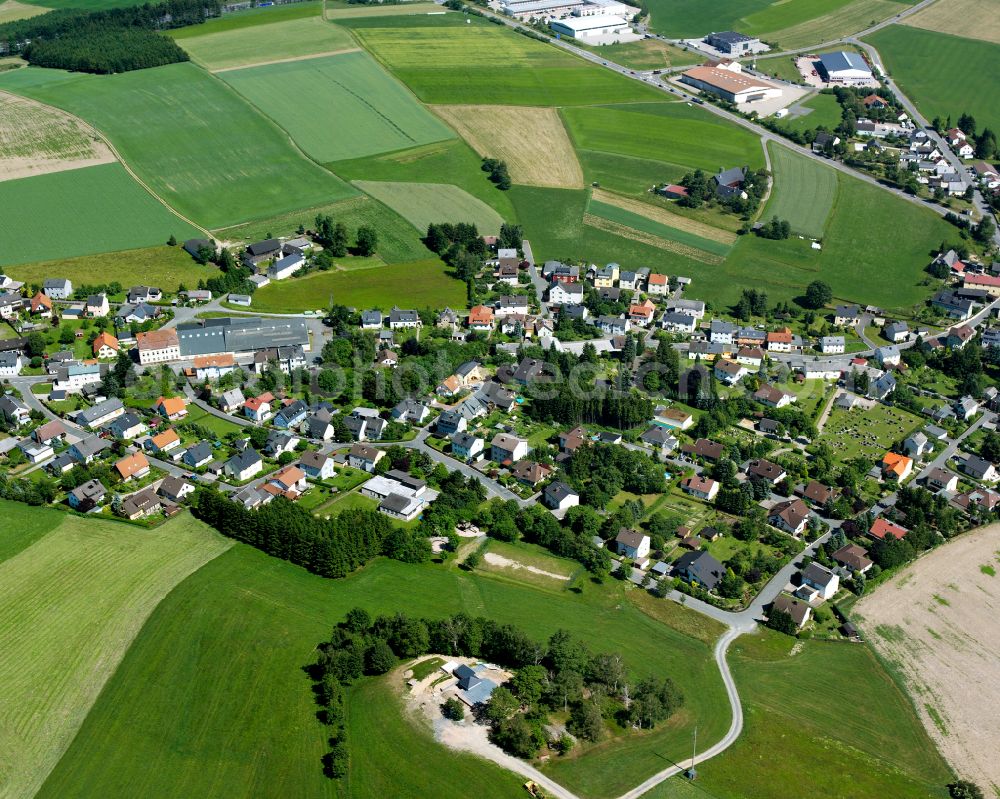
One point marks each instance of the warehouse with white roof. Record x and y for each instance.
(847, 69)
(602, 29)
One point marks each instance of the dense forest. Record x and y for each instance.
(115, 40)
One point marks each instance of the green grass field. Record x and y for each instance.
(337, 10)
(192, 139)
(825, 722)
(166, 267)
(644, 54)
(452, 162)
(12, 10)
(419, 284)
(825, 113)
(202, 417)
(228, 646)
(250, 18)
(803, 193)
(70, 606)
(291, 38)
(944, 75)
(356, 108)
(668, 132)
(23, 526)
(844, 20)
(875, 248)
(80, 212)
(424, 203)
(83, 5)
(483, 63)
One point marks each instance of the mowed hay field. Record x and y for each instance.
(422, 204)
(11, 10)
(936, 623)
(81, 211)
(24, 525)
(191, 138)
(163, 266)
(35, 139)
(821, 719)
(419, 284)
(70, 605)
(842, 20)
(258, 44)
(339, 107)
(484, 63)
(228, 646)
(533, 141)
(944, 75)
(973, 19)
(803, 193)
(341, 10)
(668, 132)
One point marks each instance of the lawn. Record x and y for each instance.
(80, 212)
(355, 107)
(802, 737)
(422, 204)
(229, 644)
(944, 75)
(285, 39)
(397, 240)
(451, 162)
(874, 250)
(200, 416)
(166, 267)
(485, 63)
(416, 284)
(867, 434)
(23, 526)
(668, 132)
(804, 191)
(825, 113)
(70, 606)
(212, 157)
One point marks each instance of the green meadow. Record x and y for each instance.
(251, 18)
(228, 647)
(80, 211)
(944, 75)
(804, 191)
(624, 217)
(420, 284)
(671, 133)
(483, 63)
(191, 138)
(422, 204)
(354, 107)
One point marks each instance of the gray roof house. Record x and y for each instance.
(700, 568)
(729, 182)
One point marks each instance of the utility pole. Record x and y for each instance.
(691, 773)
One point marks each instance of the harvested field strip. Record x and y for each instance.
(974, 19)
(950, 673)
(35, 139)
(647, 225)
(288, 60)
(388, 10)
(632, 234)
(852, 18)
(665, 216)
(70, 606)
(421, 204)
(533, 141)
(11, 10)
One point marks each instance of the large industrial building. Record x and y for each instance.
(595, 30)
(734, 43)
(847, 69)
(730, 83)
(557, 9)
(240, 334)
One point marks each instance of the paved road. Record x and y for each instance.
(536, 277)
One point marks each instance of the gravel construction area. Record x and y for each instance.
(938, 623)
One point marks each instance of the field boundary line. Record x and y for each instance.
(288, 60)
(118, 156)
(650, 240)
(664, 216)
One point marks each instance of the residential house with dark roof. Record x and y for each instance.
(699, 568)
(559, 496)
(792, 516)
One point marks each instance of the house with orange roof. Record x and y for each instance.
(106, 346)
(896, 467)
(158, 346)
(291, 479)
(163, 442)
(212, 367)
(134, 465)
(258, 408)
(481, 318)
(642, 314)
(874, 101)
(41, 305)
(658, 284)
(882, 527)
(780, 340)
(172, 407)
